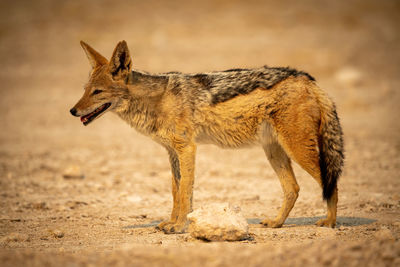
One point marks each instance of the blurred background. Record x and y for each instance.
(350, 47)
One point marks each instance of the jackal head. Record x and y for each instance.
(106, 88)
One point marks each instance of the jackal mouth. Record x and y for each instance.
(92, 115)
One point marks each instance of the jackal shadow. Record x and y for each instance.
(341, 221)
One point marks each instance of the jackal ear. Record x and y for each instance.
(120, 63)
(94, 57)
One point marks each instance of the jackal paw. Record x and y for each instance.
(271, 223)
(162, 224)
(174, 228)
(171, 227)
(326, 223)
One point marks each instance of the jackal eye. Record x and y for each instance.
(97, 91)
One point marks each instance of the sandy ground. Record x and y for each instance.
(108, 217)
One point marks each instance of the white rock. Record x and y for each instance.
(73, 172)
(218, 222)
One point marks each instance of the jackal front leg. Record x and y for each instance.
(183, 203)
(176, 177)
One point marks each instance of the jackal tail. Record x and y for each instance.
(331, 151)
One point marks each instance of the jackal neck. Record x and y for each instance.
(141, 107)
(145, 84)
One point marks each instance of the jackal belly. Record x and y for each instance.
(228, 133)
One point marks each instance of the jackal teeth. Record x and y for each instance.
(92, 115)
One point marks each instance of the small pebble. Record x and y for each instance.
(384, 234)
(58, 234)
(396, 224)
(73, 172)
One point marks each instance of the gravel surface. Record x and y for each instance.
(79, 195)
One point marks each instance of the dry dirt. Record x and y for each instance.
(108, 217)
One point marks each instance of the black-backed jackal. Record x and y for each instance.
(281, 109)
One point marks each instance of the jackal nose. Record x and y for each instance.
(73, 111)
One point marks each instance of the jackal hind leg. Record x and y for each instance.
(184, 190)
(176, 176)
(281, 164)
(330, 220)
(308, 159)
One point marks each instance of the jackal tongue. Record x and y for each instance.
(94, 113)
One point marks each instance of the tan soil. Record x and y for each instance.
(108, 217)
